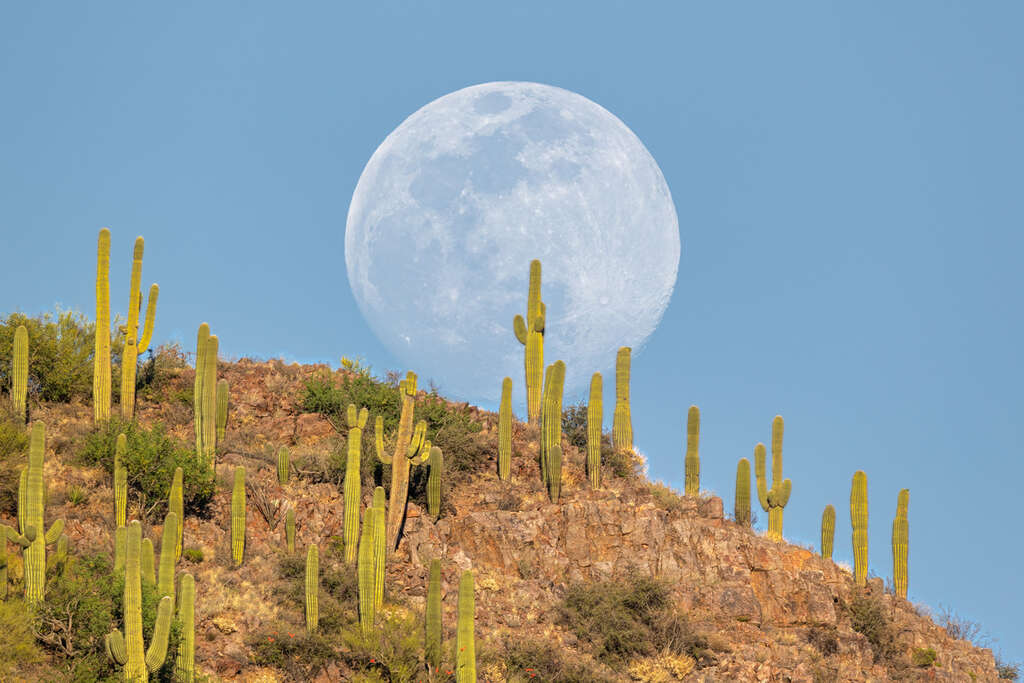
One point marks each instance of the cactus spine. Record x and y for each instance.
(31, 496)
(378, 548)
(859, 520)
(238, 517)
(366, 572)
(505, 431)
(432, 644)
(134, 345)
(223, 391)
(828, 531)
(406, 448)
(595, 416)
(353, 488)
(530, 333)
(312, 589)
(434, 482)
(900, 544)
(772, 500)
(283, 465)
(19, 373)
(101, 354)
(175, 504)
(465, 655)
(741, 508)
(129, 650)
(289, 531)
(692, 462)
(185, 664)
(120, 481)
(167, 541)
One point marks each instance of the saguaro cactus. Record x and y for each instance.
(148, 562)
(283, 465)
(205, 394)
(622, 424)
(595, 416)
(289, 531)
(530, 333)
(900, 544)
(175, 504)
(120, 481)
(312, 588)
(432, 644)
(238, 517)
(101, 344)
(19, 373)
(465, 655)
(185, 664)
(379, 553)
(366, 573)
(167, 541)
(859, 520)
(772, 500)
(134, 345)
(406, 448)
(741, 508)
(128, 650)
(223, 392)
(353, 483)
(828, 531)
(120, 547)
(692, 462)
(551, 420)
(434, 482)
(555, 473)
(198, 392)
(505, 431)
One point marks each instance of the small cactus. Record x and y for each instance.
(465, 655)
(289, 531)
(692, 461)
(120, 481)
(19, 373)
(432, 645)
(101, 350)
(312, 589)
(31, 503)
(135, 345)
(176, 505)
(505, 431)
(828, 531)
(238, 517)
(223, 392)
(741, 508)
(859, 521)
(595, 416)
(185, 664)
(530, 333)
(434, 482)
(622, 425)
(900, 543)
(283, 465)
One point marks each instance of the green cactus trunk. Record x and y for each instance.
(284, 464)
(555, 473)
(692, 461)
(120, 481)
(432, 644)
(379, 554)
(223, 392)
(185, 664)
(859, 521)
(366, 574)
(772, 500)
(505, 431)
(120, 548)
(148, 562)
(31, 500)
(595, 417)
(530, 333)
(238, 517)
(167, 559)
(209, 405)
(289, 531)
(198, 392)
(312, 589)
(622, 424)
(176, 504)
(901, 544)
(353, 493)
(552, 428)
(19, 374)
(741, 508)
(465, 654)
(135, 345)
(101, 344)
(434, 483)
(544, 411)
(828, 531)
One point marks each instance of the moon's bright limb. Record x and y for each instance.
(460, 197)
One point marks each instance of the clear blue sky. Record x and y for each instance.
(848, 179)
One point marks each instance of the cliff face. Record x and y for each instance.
(768, 611)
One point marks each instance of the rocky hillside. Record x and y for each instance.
(739, 607)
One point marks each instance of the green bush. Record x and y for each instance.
(19, 652)
(151, 459)
(289, 648)
(923, 657)
(194, 555)
(619, 464)
(155, 374)
(13, 450)
(867, 617)
(537, 660)
(1006, 670)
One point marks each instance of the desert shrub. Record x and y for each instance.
(867, 617)
(152, 456)
(824, 639)
(620, 464)
(1006, 670)
(18, 649)
(155, 374)
(13, 450)
(665, 497)
(395, 650)
(289, 648)
(322, 395)
(538, 660)
(77, 494)
(194, 555)
(963, 629)
(923, 657)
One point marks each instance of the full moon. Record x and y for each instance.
(457, 201)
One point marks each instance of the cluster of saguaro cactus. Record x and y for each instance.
(551, 429)
(19, 373)
(622, 423)
(900, 544)
(595, 416)
(859, 521)
(436, 462)
(223, 393)
(530, 333)
(741, 506)
(312, 588)
(175, 503)
(772, 500)
(204, 399)
(101, 351)
(185, 664)
(120, 481)
(129, 650)
(692, 461)
(353, 484)
(465, 648)
(432, 642)
(238, 517)
(289, 531)
(505, 431)
(828, 531)
(135, 345)
(283, 465)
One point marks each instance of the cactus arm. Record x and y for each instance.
(54, 533)
(760, 455)
(363, 415)
(157, 652)
(519, 328)
(14, 537)
(116, 648)
(378, 440)
(417, 439)
(22, 499)
(147, 329)
(19, 373)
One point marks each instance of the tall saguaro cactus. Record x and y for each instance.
(120, 481)
(859, 520)
(406, 449)
(379, 553)
(128, 650)
(530, 333)
(622, 424)
(198, 390)
(434, 482)
(595, 416)
(741, 507)
(101, 344)
(185, 664)
(828, 531)
(312, 588)
(19, 373)
(432, 643)
(551, 420)
(238, 517)
(692, 462)
(465, 655)
(353, 484)
(135, 345)
(900, 544)
(505, 431)
(772, 500)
